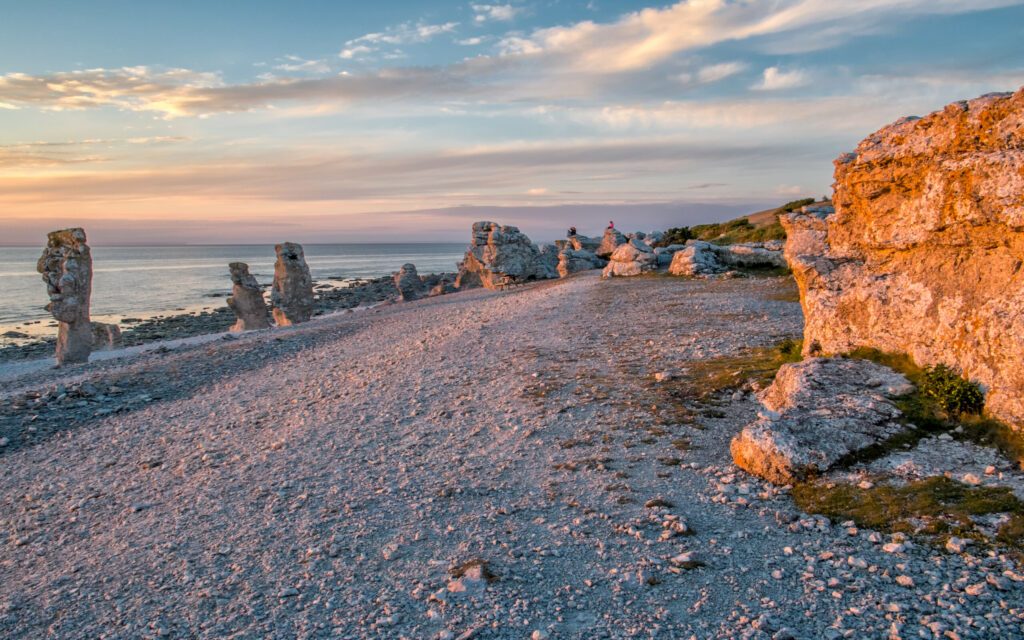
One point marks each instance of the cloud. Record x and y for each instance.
(470, 42)
(494, 12)
(650, 36)
(294, 64)
(775, 80)
(721, 71)
(403, 34)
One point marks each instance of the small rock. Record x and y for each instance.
(957, 545)
(905, 581)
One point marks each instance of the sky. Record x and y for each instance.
(339, 121)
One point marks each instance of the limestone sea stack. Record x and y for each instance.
(66, 266)
(923, 252)
(292, 293)
(409, 284)
(246, 299)
(501, 255)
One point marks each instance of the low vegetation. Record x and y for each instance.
(758, 366)
(935, 508)
(734, 231)
(944, 402)
(939, 507)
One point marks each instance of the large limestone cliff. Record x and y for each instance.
(923, 253)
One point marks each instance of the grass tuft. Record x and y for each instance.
(934, 507)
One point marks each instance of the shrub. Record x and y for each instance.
(675, 235)
(955, 395)
(796, 204)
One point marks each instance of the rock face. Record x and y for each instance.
(410, 286)
(66, 265)
(106, 336)
(817, 412)
(572, 261)
(631, 259)
(699, 258)
(292, 293)
(500, 256)
(923, 252)
(247, 300)
(612, 240)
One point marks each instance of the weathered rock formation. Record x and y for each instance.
(584, 243)
(923, 253)
(292, 293)
(631, 259)
(66, 265)
(572, 261)
(699, 258)
(410, 286)
(106, 336)
(816, 413)
(500, 256)
(611, 240)
(247, 299)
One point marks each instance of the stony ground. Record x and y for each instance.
(479, 465)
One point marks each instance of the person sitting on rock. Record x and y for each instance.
(611, 224)
(572, 232)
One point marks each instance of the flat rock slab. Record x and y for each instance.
(816, 413)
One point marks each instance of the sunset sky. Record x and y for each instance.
(332, 121)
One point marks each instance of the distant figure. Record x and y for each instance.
(572, 232)
(611, 224)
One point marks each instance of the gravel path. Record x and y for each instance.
(333, 480)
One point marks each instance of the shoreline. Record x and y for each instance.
(138, 331)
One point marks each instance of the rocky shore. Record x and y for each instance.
(480, 465)
(329, 297)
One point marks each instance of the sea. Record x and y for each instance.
(143, 282)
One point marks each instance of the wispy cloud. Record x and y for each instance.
(774, 79)
(404, 34)
(494, 12)
(293, 64)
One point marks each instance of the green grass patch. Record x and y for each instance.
(707, 378)
(934, 507)
(734, 231)
(944, 401)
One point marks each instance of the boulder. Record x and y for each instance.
(631, 259)
(665, 254)
(816, 413)
(246, 299)
(584, 243)
(612, 240)
(291, 296)
(501, 256)
(410, 286)
(923, 251)
(66, 266)
(106, 336)
(572, 261)
(700, 258)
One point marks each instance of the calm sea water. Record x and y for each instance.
(145, 281)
